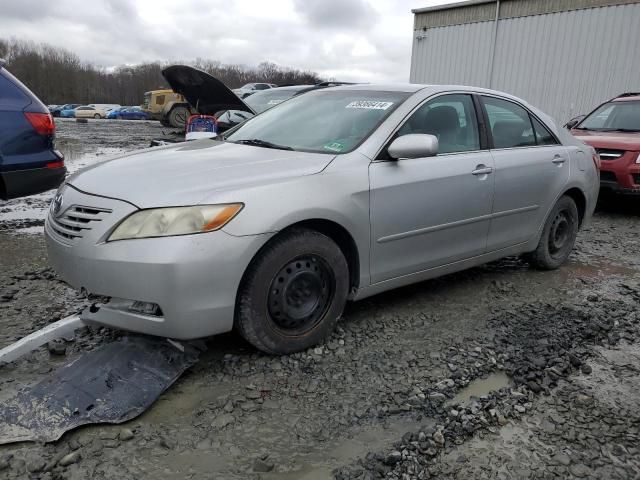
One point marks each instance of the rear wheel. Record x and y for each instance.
(293, 293)
(558, 236)
(178, 117)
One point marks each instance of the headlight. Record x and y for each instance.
(638, 159)
(166, 222)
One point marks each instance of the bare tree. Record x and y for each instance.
(59, 76)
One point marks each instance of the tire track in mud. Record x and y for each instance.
(546, 351)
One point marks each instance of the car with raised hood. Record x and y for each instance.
(207, 95)
(334, 195)
(29, 161)
(613, 129)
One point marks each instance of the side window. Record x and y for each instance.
(159, 99)
(451, 118)
(543, 136)
(510, 123)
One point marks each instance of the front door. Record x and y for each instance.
(427, 212)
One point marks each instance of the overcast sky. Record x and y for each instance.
(358, 40)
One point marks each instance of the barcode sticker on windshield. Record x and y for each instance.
(370, 105)
(275, 102)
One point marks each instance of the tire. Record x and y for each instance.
(164, 122)
(178, 117)
(97, 116)
(558, 236)
(315, 278)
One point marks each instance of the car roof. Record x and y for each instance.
(627, 98)
(391, 87)
(416, 87)
(293, 88)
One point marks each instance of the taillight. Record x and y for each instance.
(41, 122)
(57, 164)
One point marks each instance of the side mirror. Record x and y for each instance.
(574, 121)
(414, 145)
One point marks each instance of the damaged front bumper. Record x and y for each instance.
(192, 278)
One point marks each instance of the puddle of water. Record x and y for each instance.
(480, 387)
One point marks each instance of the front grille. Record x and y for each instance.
(636, 178)
(607, 176)
(608, 154)
(77, 220)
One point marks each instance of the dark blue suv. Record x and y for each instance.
(29, 162)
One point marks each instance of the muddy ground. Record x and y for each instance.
(498, 372)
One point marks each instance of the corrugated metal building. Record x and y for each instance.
(564, 56)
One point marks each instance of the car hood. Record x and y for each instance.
(612, 140)
(188, 173)
(205, 93)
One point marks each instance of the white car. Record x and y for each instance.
(251, 88)
(87, 111)
(105, 106)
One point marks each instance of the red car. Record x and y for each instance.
(613, 129)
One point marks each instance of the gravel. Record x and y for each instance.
(498, 372)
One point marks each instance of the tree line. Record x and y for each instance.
(58, 76)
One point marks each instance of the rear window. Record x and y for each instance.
(12, 94)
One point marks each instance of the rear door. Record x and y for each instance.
(427, 212)
(531, 168)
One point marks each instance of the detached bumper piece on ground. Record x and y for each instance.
(111, 384)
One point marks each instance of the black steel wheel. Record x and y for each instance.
(293, 292)
(301, 293)
(558, 236)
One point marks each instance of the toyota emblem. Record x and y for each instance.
(56, 205)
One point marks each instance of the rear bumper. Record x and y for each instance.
(19, 183)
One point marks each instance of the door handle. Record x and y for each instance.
(558, 160)
(482, 170)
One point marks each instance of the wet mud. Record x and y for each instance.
(498, 372)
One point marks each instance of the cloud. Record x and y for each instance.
(351, 40)
(336, 14)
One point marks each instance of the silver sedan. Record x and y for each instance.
(331, 196)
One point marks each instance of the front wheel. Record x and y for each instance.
(96, 116)
(558, 236)
(293, 292)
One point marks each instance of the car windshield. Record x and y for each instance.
(614, 116)
(327, 121)
(266, 99)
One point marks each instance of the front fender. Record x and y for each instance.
(337, 194)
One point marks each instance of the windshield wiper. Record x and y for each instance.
(629, 130)
(256, 142)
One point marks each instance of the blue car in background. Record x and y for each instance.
(69, 111)
(128, 113)
(29, 162)
(56, 112)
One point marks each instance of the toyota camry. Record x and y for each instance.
(331, 196)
